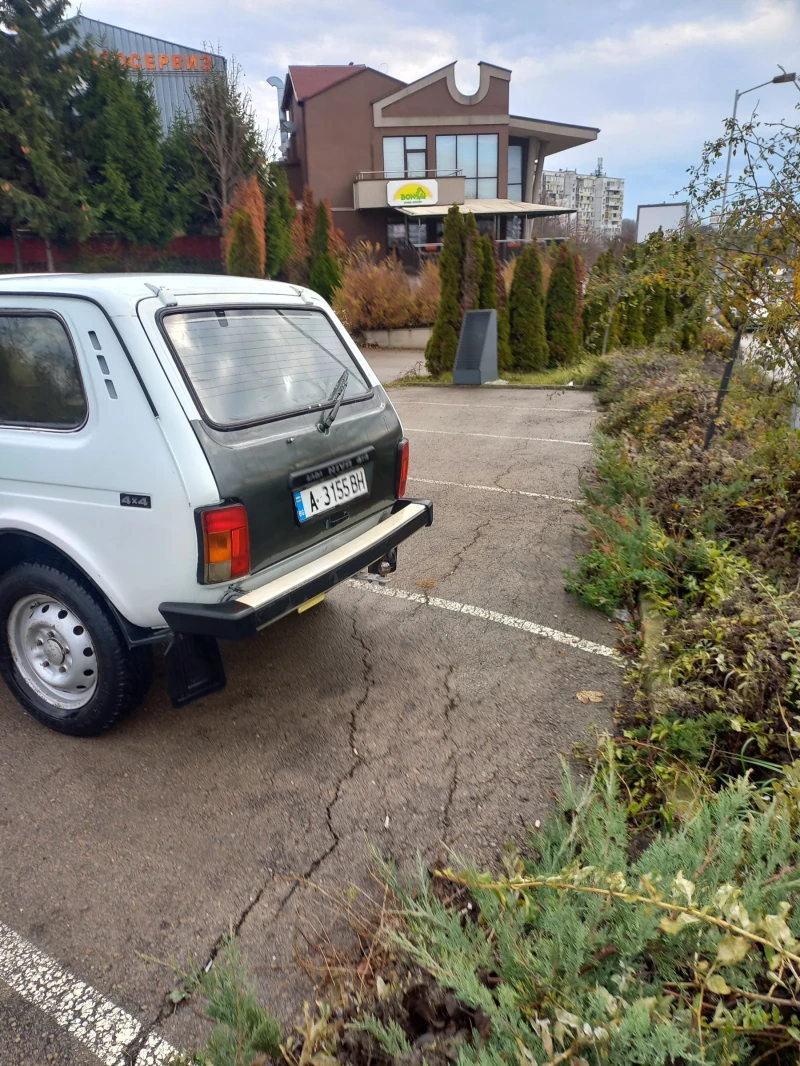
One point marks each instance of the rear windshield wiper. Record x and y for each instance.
(326, 420)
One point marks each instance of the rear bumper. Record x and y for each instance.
(244, 616)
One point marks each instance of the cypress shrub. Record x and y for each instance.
(440, 351)
(527, 336)
(244, 254)
(325, 277)
(654, 312)
(561, 309)
(278, 226)
(487, 286)
(503, 339)
(631, 326)
(472, 269)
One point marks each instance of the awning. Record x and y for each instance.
(486, 207)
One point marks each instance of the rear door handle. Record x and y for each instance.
(334, 520)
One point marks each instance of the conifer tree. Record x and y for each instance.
(503, 340)
(472, 268)
(121, 137)
(308, 215)
(280, 215)
(561, 309)
(41, 182)
(440, 351)
(244, 254)
(654, 311)
(247, 196)
(631, 324)
(325, 277)
(527, 336)
(487, 287)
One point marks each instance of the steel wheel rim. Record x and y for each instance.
(53, 652)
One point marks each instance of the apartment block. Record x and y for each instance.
(596, 198)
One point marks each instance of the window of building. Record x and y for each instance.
(417, 232)
(515, 172)
(404, 157)
(514, 227)
(396, 235)
(475, 155)
(40, 384)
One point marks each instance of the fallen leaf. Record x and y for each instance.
(718, 984)
(731, 950)
(590, 696)
(427, 583)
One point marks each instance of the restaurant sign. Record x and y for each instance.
(405, 193)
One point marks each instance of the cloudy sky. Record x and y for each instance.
(657, 76)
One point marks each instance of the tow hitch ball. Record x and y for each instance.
(385, 566)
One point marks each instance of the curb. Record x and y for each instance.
(400, 384)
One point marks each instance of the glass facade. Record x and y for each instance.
(515, 172)
(475, 155)
(404, 157)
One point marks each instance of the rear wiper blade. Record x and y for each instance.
(326, 420)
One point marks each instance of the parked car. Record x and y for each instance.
(182, 459)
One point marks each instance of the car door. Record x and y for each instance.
(83, 464)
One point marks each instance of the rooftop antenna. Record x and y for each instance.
(598, 170)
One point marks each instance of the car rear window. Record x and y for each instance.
(251, 364)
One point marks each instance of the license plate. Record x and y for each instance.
(321, 497)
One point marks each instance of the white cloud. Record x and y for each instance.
(769, 21)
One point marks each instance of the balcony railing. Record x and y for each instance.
(399, 175)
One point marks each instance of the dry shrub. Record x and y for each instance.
(426, 289)
(508, 274)
(379, 294)
(247, 196)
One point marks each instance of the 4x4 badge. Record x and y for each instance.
(133, 499)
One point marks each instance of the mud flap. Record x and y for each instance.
(193, 667)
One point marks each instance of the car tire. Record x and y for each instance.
(62, 653)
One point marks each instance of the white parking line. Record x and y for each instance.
(499, 436)
(494, 488)
(499, 406)
(490, 616)
(100, 1025)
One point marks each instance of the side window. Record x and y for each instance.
(40, 384)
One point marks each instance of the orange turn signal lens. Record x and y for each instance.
(226, 543)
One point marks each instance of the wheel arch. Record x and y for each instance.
(20, 546)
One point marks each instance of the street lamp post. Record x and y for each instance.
(779, 79)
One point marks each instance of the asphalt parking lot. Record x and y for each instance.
(426, 714)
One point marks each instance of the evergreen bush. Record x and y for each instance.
(440, 351)
(278, 227)
(487, 285)
(528, 341)
(561, 310)
(503, 339)
(325, 276)
(472, 269)
(244, 254)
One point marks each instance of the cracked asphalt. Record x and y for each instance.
(369, 719)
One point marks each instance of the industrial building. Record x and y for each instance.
(170, 68)
(393, 157)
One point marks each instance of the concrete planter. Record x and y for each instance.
(398, 338)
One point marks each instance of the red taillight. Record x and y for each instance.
(402, 467)
(226, 543)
